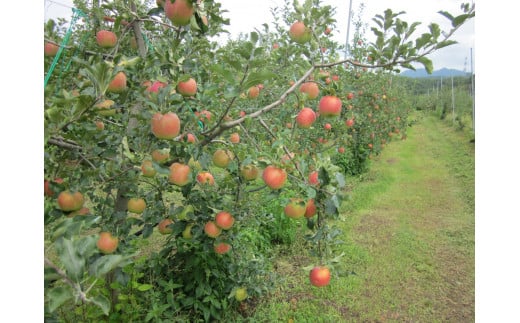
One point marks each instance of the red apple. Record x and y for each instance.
(163, 226)
(179, 12)
(68, 201)
(179, 174)
(187, 88)
(330, 106)
(212, 230)
(299, 33)
(313, 178)
(224, 220)
(306, 118)
(295, 208)
(274, 177)
(166, 126)
(222, 248)
(107, 243)
(136, 205)
(310, 210)
(205, 178)
(253, 92)
(118, 83)
(311, 89)
(320, 276)
(50, 49)
(106, 39)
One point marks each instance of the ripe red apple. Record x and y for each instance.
(187, 88)
(327, 30)
(179, 174)
(313, 178)
(350, 96)
(349, 122)
(212, 230)
(161, 155)
(224, 220)
(50, 49)
(330, 106)
(203, 115)
(166, 126)
(310, 210)
(136, 205)
(341, 150)
(327, 126)
(205, 178)
(163, 226)
(253, 92)
(190, 138)
(275, 46)
(319, 276)
(249, 172)
(295, 208)
(155, 86)
(147, 169)
(222, 158)
(234, 138)
(222, 247)
(306, 118)
(311, 89)
(274, 177)
(106, 39)
(68, 201)
(107, 243)
(179, 12)
(118, 83)
(299, 33)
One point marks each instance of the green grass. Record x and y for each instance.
(409, 241)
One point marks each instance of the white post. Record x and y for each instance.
(473, 89)
(452, 100)
(348, 29)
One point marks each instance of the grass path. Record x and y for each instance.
(409, 233)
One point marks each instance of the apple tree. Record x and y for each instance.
(173, 163)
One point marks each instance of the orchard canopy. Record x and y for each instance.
(174, 163)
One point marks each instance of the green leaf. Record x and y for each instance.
(423, 40)
(105, 264)
(459, 20)
(144, 287)
(57, 296)
(340, 178)
(428, 64)
(86, 246)
(126, 149)
(435, 30)
(254, 37)
(446, 14)
(445, 43)
(411, 29)
(74, 264)
(257, 78)
(102, 302)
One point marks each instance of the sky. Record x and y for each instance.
(245, 17)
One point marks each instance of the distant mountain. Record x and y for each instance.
(443, 72)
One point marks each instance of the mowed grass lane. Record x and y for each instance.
(409, 240)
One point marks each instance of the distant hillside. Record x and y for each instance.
(443, 72)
